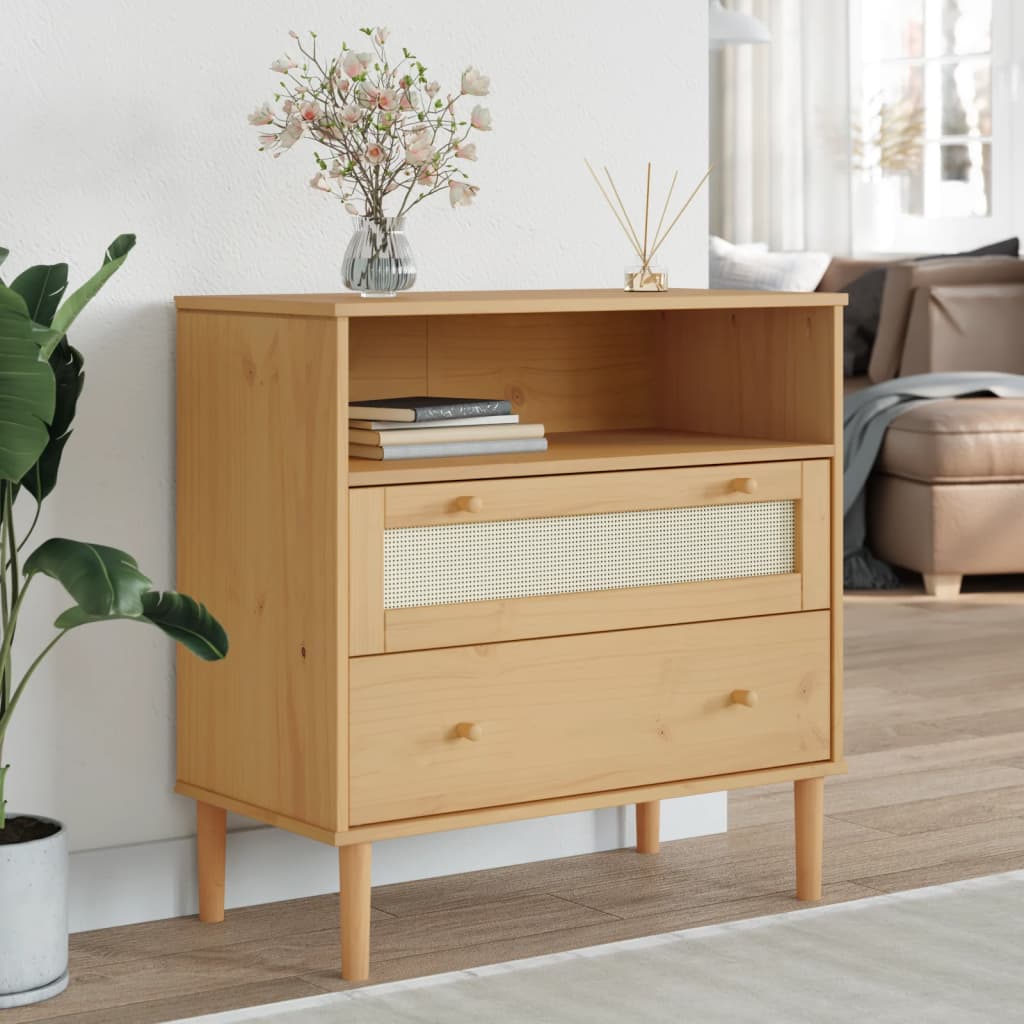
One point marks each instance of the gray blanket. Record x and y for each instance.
(866, 417)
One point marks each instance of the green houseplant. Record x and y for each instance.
(41, 378)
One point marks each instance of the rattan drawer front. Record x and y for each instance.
(474, 727)
(599, 552)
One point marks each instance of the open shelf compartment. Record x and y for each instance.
(623, 389)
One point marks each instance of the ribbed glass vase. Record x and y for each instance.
(378, 261)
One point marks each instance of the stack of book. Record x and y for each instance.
(426, 427)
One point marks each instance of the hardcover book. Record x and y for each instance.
(470, 421)
(447, 434)
(448, 449)
(419, 408)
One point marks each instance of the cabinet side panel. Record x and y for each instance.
(750, 373)
(261, 539)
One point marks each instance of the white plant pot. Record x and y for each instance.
(33, 919)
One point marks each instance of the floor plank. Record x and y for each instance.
(934, 737)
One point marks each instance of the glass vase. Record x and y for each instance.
(378, 261)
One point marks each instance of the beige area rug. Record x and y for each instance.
(948, 953)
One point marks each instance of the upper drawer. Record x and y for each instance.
(440, 565)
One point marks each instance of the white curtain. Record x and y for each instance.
(780, 129)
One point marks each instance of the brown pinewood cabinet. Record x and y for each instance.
(650, 608)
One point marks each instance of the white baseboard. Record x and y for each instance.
(151, 881)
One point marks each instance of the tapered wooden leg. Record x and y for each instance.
(648, 827)
(211, 844)
(809, 818)
(354, 871)
(944, 586)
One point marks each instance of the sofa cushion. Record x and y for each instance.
(753, 267)
(957, 440)
(900, 281)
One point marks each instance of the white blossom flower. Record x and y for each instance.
(466, 150)
(474, 83)
(432, 89)
(480, 118)
(351, 114)
(309, 111)
(283, 64)
(380, 37)
(388, 99)
(354, 64)
(263, 114)
(293, 33)
(291, 134)
(419, 151)
(337, 169)
(427, 175)
(374, 153)
(460, 193)
(320, 183)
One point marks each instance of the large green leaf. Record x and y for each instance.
(187, 621)
(116, 254)
(42, 289)
(27, 390)
(103, 581)
(66, 363)
(181, 617)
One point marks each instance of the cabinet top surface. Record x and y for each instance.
(482, 302)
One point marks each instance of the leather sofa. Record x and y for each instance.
(947, 495)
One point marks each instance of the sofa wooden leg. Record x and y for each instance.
(943, 585)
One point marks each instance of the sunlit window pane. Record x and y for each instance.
(958, 180)
(966, 26)
(893, 28)
(967, 98)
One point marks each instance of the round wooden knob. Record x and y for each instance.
(470, 503)
(745, 484)
(748, 698)
(469, 731)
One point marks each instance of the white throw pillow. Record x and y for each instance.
(754, 268)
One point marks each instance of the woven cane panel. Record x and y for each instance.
(434, 565)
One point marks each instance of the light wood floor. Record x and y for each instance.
(935, 737)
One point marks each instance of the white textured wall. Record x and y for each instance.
(123, 115)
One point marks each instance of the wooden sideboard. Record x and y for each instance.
(649, 609)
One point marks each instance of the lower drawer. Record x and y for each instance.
(472, 727)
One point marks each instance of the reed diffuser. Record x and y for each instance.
(645, 277)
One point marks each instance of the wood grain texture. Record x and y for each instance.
(387, 357)
(366, 571)
(261, 527)
(590, 451)
(436, 304)
(751, 373)
(476, 622)
(832, 334)
(211, 842)
(589, 494)
(569, 371)
(815, 559)
(951, 803)
(673, 720)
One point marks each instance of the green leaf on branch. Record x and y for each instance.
(42, 289)
(27, 389)
(66, 363)
(186, 620)
(116, 254)
(103, 581)
(181, 617)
